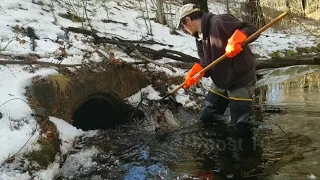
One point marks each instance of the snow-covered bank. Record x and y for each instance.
(17, 124)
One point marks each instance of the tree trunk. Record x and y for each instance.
(304, 4)
(202, 4)
(227, 6)
(253, 13)
(160, 12)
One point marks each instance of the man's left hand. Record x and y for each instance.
(234, 46)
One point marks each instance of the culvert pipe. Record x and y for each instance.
(100, 111)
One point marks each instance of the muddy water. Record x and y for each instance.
(284, 146)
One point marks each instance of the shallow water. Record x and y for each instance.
(300, 97)
(284, 146)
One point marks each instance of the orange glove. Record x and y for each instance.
(189, 80)
(234, 43)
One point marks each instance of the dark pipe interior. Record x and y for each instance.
(98, 113)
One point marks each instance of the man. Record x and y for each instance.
(234, 77)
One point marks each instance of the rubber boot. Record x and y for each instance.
(242, 123)
(214, 108)
(242, 120)
(241, 114)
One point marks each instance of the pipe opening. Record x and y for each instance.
(99, 112)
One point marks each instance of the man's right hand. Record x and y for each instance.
(189, 80)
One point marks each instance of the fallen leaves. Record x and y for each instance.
(63, 52)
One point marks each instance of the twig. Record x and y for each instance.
(283, 131)
(13, 38)
(54, 16)
(2, 9)
(300, 23)
(150, 27)
(4, 62)
(170, 16)
(102, 152)
(144, 18)
(85, 11)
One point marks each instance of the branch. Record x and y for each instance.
(154, 62)
(181, 65)
(83, 31)
(187, 58)
(85, 3)
(151, 41)
(175, 55)
(4, 62)
(112, 21)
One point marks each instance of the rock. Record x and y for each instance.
(170, 119)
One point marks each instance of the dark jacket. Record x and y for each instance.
(230, 73)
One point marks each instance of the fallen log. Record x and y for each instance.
(278, 62)
(6, 62)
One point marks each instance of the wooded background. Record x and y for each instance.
(258, 12)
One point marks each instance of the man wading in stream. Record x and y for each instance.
(233, 78)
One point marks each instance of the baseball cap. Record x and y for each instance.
(184, 11)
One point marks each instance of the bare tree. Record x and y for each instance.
(160, 12)
(227, 6)
(169, 16)
(304, 4)
(148, 26)
(202, 4)
(253, 13)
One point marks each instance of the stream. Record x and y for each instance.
(285, 144)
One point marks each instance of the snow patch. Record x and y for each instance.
(17, 124)
(67, 134)
(272, 40)
(15, 176)
(50, 173)
(312, 176)
(79, 162)
(149, 91)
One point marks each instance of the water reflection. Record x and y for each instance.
(296, 128)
